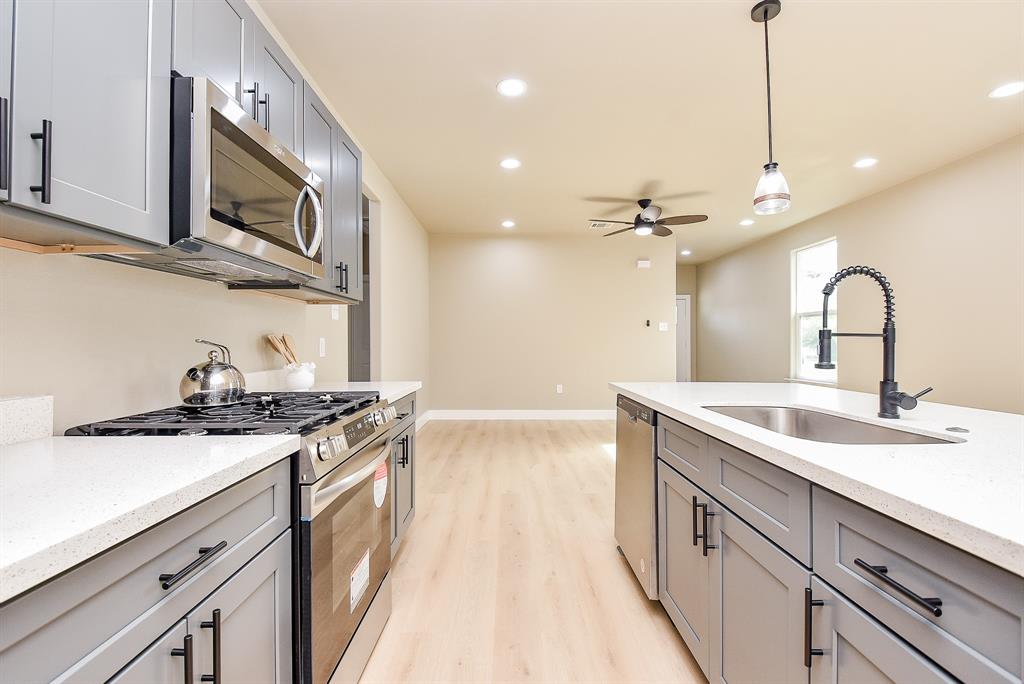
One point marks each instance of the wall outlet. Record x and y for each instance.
(558, 389)
(663, 326)
(335, 312)
(323, 347)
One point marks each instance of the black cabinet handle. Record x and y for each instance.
(809, 602)
(404, 460)
(266, 111)
(186, 653)
(4, 143)
(255, 92)
(213, 624)
(205, 554)
(704, 536)
(879, 572)
(47, 155)
(343, 276)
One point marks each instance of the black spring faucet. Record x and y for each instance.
(890, 399)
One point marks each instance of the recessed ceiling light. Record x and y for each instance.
(512, 87)
(508, 223)
(1008, 89)
(747, 222)
(865, 163)
(510, 163)
(686, 252)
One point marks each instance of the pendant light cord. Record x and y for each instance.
(768, 79)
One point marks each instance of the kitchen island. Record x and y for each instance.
(776, 555)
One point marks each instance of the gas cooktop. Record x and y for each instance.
(259, 413)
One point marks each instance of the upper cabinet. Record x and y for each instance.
(347, 186)
(6, 36)
(90, 118)
(280, 86)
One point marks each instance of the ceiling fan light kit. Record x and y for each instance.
(771, 196)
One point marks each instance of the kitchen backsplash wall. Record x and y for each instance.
(952, 244)
(107, 340)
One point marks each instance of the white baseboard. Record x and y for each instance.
(515, 414)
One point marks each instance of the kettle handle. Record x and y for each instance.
(227, 352)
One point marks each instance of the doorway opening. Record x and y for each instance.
(683, 348)
(359, 323)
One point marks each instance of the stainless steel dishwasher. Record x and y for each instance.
(635, 529)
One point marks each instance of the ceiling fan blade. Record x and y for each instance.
(650, 188)
(616, 232)
(611, 200)
(661, 231)
(625, 223)
(683, 220)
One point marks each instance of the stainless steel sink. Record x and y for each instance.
(822, 427)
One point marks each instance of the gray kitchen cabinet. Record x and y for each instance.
(685, 449)
(215, 39)
(405, 481)
(161, 663)
(757, 595)
(247, 622)
(684, 571)
(90, 131)
(6, 39)
(855, 648)
(281, 92)
(347, 187)
(318, 131)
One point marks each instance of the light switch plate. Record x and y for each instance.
(323, 347)
(335, 312)
(558, 389)
(662, 326)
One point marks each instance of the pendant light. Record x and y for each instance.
(771, 196)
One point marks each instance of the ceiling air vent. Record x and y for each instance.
(599, 225)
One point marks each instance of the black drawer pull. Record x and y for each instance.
(880, 573)
(4, 123)
(186, 653)
(266, 111)
(810, 602)
(205, 554)
(213, 624)
(47, 155)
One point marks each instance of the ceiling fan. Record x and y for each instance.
(649, 221)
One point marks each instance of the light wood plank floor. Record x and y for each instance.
(510, 572)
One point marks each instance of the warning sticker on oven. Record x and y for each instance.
(358, 581)
(380, 484)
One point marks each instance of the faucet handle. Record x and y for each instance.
(909, 401)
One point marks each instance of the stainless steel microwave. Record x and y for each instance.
(242, 203)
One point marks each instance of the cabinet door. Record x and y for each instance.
(348, 215)
(160, 663)
(108, 104)
(6, 37)
(683, 569)
(318, 131)
(405, 481)
(253, 613)
(856, 648)
(214, 38)
(279, 107)
(757, 594)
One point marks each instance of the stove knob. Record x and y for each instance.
(378, 419)
(338, 442)
(323, 449)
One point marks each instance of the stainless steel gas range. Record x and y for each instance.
(341, 506)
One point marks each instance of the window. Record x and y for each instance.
(812, 267)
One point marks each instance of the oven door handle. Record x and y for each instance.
(344, 479)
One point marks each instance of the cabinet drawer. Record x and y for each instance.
(774, 502)
(684, 448)
(977, 637)
(406, 410)
(91, 620)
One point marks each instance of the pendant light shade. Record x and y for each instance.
(771, 196)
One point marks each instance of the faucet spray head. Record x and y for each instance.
(825, 350)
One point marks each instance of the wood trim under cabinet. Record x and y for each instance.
(66, 248)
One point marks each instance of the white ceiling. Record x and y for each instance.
(631, 97)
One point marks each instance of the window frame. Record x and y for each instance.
(795, 316)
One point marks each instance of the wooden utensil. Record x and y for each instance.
(278, 344)
(289, 343)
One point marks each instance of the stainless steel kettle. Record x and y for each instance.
(214, 382)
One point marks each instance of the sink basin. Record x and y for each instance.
(822, 427)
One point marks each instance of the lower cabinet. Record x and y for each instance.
(684, 572)
(243, 631)
(850, 646)
(757, 605)
(168, 660)
(403, 469)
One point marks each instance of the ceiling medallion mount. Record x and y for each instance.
(771, 196)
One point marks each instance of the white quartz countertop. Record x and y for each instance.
(392, 390)
(64, 500)
(968, 494)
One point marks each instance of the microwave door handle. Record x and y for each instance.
(300, 202)
(318, 232)
(331, 490)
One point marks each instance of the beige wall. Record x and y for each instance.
(686, 283)
(952, 244)
(107, 339)
(514, 315)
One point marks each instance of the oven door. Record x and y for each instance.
(250, 193)
(345, 553)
